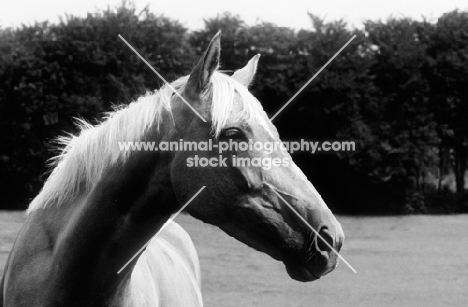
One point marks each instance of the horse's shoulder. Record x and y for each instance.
(175, 243)
(28, 264)
(169, 262)
(175, 236)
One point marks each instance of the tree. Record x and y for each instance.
(78, 68)
(448, 75)
(401, 118)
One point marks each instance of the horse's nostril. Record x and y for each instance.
(324, 235)
(339, 243)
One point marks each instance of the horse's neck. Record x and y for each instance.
(104, 227)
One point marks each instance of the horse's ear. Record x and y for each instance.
(201, 74)
(245, 75)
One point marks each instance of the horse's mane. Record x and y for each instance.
(84, 156)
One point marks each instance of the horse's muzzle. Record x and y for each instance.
(320, 257)
(324, 256)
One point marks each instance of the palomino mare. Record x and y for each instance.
(101, 204)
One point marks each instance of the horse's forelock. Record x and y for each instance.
(225, 92)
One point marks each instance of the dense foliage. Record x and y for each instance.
(399, 90)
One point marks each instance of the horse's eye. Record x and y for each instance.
(231, 133)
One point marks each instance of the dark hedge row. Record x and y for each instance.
(399, 90)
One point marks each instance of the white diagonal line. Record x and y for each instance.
(315, 231)
(162, 78)
(311, 79)
(164, 226)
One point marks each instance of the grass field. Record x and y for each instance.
(401, 261)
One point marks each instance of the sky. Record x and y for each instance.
(286, 13)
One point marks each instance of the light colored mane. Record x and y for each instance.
(84, 156)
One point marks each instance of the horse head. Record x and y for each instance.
(254, 203)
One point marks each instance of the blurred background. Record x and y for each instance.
(399, 90)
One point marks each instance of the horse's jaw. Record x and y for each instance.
(271, 228)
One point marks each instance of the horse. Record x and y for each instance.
(101, 204)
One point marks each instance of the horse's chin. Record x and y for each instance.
(300, 272)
